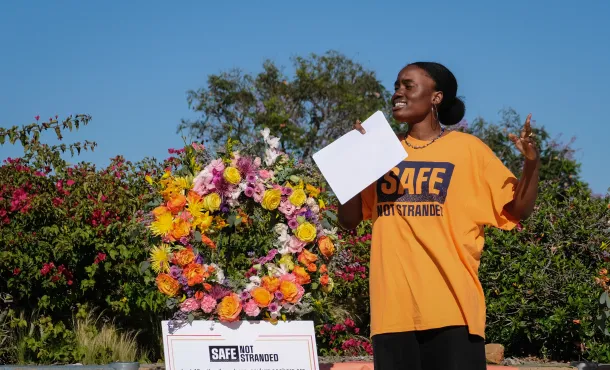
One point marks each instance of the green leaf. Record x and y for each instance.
(190, 318)
(197, 235)
(603, 298)
(144, 266)
(314, 286)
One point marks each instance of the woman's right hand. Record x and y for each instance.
(358, 127)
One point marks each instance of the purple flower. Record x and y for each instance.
(199, 259)
(279, 295)
(183, 281)
(175, 272)
(287, 191)
(251, 254)
(251, 178)
(249, 192)
(219, 292)
(293, 224)
(244, 295)
(273, 307)
(224, 209)
(244, 165)
(184, 240)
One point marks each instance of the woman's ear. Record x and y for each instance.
(437, 97)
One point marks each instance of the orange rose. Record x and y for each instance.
(261, 296)
(176, 204)
(306, 257)
(199, 295)
(323, 269)
(194, 273)
(324, 280)
(207, 287)
(167, 285)
(193, 197)
(184, 257)
(290, 291)
(207, 241)
(302, 277)
(229, 308)
(327, 248)
(159, 211)
(270, 283)
(312, 267)
(180, 228)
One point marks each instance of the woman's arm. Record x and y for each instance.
(350, 213)
(526, 192)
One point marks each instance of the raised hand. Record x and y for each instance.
(525, 142)
(358, 127)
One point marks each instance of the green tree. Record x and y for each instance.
(309, 110)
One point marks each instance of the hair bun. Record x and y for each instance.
(453, 113)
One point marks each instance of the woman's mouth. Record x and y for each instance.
(398, 105)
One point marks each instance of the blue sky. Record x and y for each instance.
(129, 64)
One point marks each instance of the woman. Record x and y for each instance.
(428, 213)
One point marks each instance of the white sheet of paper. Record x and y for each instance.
(354, 161)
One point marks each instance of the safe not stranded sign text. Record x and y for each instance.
(246, 345)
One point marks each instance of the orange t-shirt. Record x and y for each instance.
(428, 215)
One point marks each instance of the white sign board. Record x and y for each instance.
(243, 345)
(354, 161)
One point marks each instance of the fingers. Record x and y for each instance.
(527, 127)
(358, 127)
(513, 138)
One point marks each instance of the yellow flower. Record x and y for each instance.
(232, 175)
(321, 203)
(212, 202)
(195, 207)
(286, 260)
(162, 225)
(220, 222)
(306, 232)
(148, 179)
(203, 221)
(312, 190)
(159, 257)
(298, 198)
(175, 186)
(271, 199)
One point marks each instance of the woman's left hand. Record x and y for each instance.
(525, 141)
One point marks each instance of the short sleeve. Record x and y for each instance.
(368, 201)
(498, 189)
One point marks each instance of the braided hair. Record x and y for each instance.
(451, 110)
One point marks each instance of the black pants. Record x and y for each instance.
(438, 349)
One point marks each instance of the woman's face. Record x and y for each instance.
(414, 95)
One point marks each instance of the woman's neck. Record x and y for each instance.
(424, 130)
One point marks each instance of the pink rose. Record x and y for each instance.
(217, 165)
(252, 309)
(265, 174)
(288, 277)
(301, 292)
(287, 208)
(189, 305)
(208, 304)
(295, 245)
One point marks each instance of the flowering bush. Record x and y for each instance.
(344, 339)
(239, 237)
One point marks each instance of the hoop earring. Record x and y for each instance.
(435, 114)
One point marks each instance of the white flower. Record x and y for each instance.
(265, 132)
(255, 279)
(275, 270)
(311, 202)
(220, 275)
(271, 156)
(280, 228)
(273, 142)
